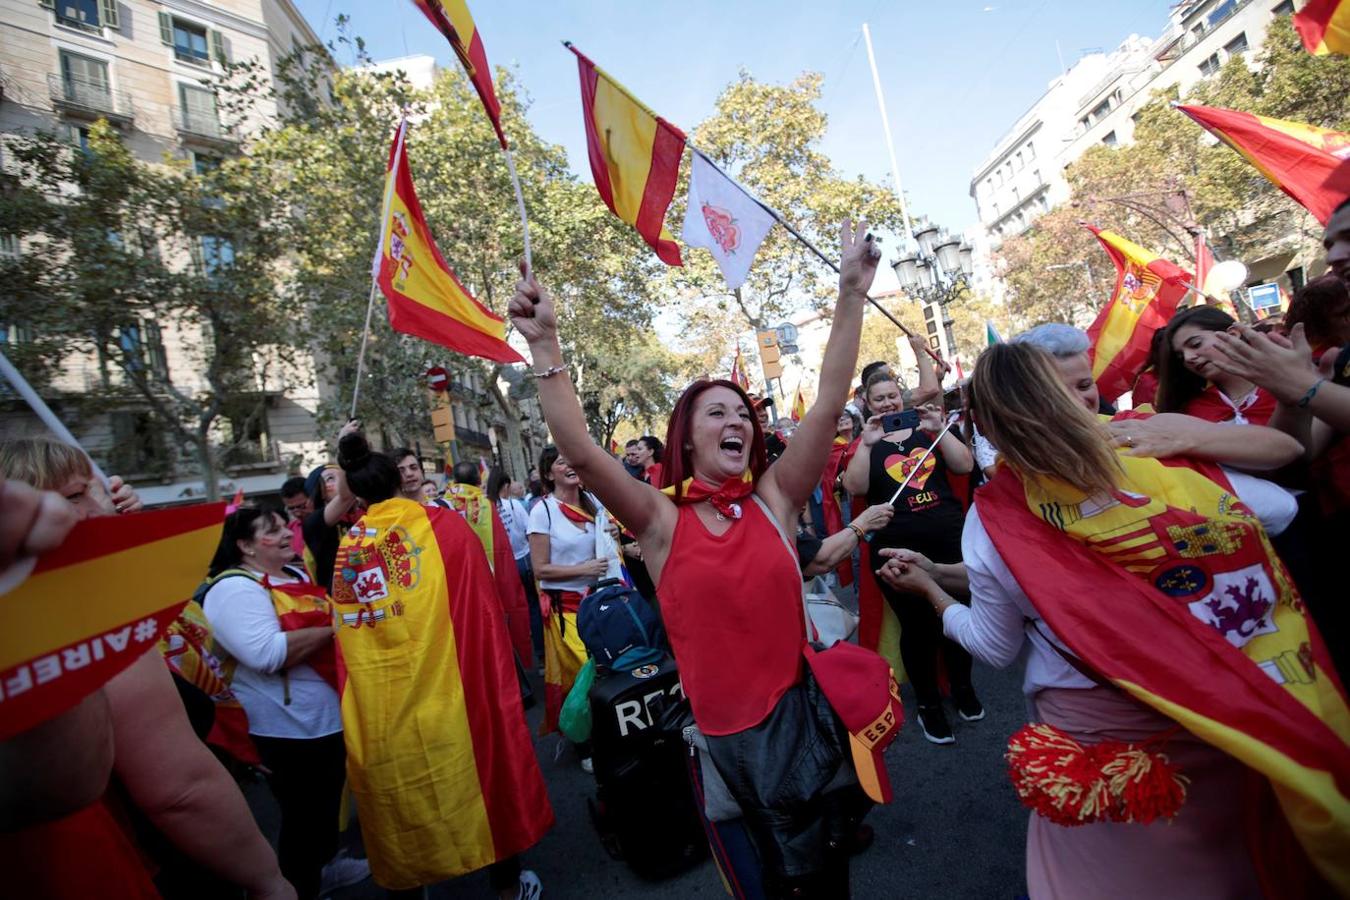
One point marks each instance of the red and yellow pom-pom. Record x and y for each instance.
(1076, 784)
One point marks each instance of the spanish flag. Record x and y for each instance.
(1324, 26)
(452, 19)
(425, 297)
(439, 758)
(97, 604)
(1306, 162)
(1204, 626)
(614, 448)
(1147, 292)
(798, 406)
(738, 376)
(635, 156)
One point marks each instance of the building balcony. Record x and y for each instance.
(91, 100)
(203, 127)
(251, 456)
(470, 436)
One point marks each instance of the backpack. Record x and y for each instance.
(619, 628)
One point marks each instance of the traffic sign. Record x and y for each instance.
(438, 379)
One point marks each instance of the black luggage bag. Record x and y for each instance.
(644, 806)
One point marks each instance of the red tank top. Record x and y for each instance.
(732, 606)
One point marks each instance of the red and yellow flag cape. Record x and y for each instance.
(1324, 26)
(1203, 624)
(95, 605)
(438, 754)
(425, 298)
(1147, 292)
(452, 19)
(482, 516)
(635, 156)
(1306, 162)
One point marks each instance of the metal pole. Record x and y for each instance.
(520, 205)
(886, 129)
(361, 357)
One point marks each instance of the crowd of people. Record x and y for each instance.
(1162, 574)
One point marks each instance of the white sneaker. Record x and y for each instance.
(587, 766)
(530, 887)
(343, 872)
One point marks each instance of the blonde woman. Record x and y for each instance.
(1165, 640)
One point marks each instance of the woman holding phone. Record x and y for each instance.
(895, 446)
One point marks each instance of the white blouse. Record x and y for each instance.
(570, 545)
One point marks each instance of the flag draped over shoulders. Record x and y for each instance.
(1147, 292)
(439, 757)
(1204, 625)
(634, 155)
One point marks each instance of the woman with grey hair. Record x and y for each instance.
(1069, 347)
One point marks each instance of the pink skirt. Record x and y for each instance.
(1200, 855)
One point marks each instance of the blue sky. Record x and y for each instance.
(956, 73)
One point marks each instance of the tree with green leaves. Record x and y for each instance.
(118, 251)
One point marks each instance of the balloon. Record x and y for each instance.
(1225, 277)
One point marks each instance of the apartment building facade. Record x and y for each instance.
(1095, 103)
(146, 68)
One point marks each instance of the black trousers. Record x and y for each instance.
(921, 640)
(525, 566)
(501, 875)
(307, 778)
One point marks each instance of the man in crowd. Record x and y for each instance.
(630, 458)
(298, 505)
(410, 471)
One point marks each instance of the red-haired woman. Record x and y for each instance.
(730, 588)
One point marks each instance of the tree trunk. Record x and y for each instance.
(210, 474)
(513, 449)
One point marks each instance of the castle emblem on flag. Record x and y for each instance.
(722, 227)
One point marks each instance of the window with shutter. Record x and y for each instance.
(47, 4)
(166, 29)
(111, 17)
(218, 48)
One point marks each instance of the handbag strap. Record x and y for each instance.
(792, 551)
(1079, 666)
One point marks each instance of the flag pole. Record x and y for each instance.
(44, 412)
(520, 205)
(361, 357)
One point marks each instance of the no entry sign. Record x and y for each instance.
(437, 378)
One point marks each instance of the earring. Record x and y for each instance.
(251, 553)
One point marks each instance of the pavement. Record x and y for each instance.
(955, 828)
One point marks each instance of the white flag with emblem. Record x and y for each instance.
(724, 219)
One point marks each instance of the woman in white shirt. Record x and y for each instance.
(276, 627)
(1155, 618)
(571, 549)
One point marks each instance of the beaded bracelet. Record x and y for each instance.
(549, 372)
(856, 530)
(1312, 392)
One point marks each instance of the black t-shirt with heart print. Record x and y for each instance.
(928, 516)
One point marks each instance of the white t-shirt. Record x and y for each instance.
(516, 519)
(570, 545)
(993, 627)
(245, 623)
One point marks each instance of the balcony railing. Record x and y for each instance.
(471, 436)
(89, 98)
(252, 455)
(202, 125)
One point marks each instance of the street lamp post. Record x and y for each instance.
(936, 273)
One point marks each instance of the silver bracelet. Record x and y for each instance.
(549, 372)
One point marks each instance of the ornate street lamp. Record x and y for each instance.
(937, 273)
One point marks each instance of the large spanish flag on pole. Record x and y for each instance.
(94, 606)
(439, 757)
(1147, 293)
(1306, 162)
(1324, 26)
(425, 297)
(452, 19)
(635, 156)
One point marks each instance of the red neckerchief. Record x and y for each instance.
(724, 498)
(575, 513)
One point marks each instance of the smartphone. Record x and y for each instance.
(909, 419)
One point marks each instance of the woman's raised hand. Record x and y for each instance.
(858, 259)
(531, 311)
(930, 418)
(872, 431)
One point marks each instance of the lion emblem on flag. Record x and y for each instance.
(722, 227)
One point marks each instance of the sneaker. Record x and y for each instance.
(343, 872)
(587, 766)
(933, 724)
(530, 888)
(968, 706)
